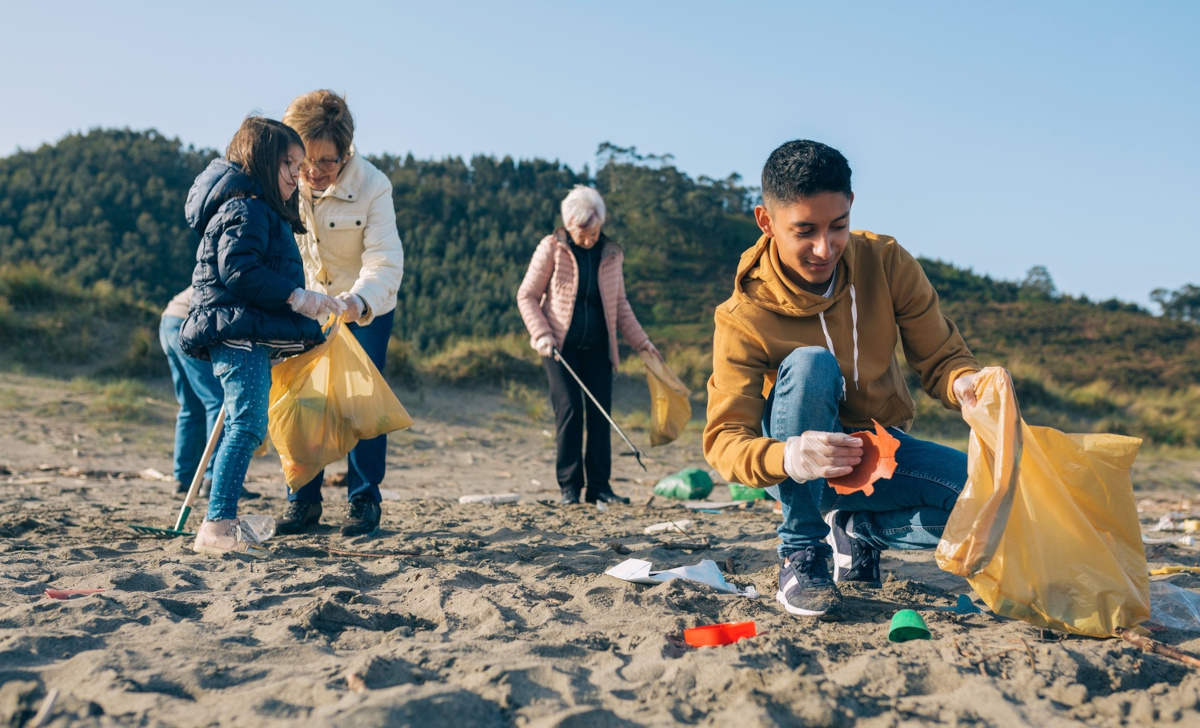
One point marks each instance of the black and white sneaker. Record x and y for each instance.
(853, 559)
(805, 587)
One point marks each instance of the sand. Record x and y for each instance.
(504, 618)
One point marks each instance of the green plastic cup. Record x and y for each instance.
(908, 625)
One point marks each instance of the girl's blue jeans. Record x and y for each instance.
(246, 377)
(907, 511)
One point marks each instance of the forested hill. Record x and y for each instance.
(107, 206)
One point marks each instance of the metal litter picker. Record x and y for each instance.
(193, 489)
(635, 452)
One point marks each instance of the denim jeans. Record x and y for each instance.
(907, 511)
(368, 460)
(199, 395)
(246, 377)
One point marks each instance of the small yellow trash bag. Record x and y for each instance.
(670, 406)
(324, 401)
(1046, 529)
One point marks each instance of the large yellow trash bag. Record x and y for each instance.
(670, 406)
(324, 401)
(1046, 529)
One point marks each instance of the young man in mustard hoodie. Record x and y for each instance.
(804, 356)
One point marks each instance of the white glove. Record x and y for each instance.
(314, 305)
(652, 350)
(544, 346)
(356, 306)
(815, 455)
(964, 389)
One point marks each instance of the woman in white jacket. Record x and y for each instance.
(352, 251)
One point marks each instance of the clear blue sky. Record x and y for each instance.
(996, 136)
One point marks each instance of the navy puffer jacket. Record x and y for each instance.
(246, 267)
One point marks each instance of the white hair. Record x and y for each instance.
(583, 207)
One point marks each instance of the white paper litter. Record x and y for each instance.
(705, 572)
(678, 526)
(493, 499)
(152, 474)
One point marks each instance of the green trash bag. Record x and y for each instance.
(739, 492)
(687, 484)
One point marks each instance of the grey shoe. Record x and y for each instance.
(853, 559)
(805, 587)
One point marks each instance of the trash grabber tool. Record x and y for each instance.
(636, 453)
(197, 479)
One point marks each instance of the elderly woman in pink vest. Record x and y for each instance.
(573, 299)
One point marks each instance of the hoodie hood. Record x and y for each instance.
(761, 282)
(220, 182)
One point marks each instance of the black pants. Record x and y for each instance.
(572, 408)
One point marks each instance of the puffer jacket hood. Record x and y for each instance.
(220, 182)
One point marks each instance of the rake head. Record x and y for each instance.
(161, 532)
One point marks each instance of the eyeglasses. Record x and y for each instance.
(325, 165)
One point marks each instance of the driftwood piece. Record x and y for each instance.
(1157, 647)
(372, 555)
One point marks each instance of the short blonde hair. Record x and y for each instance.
(322, 115)
(583, 206)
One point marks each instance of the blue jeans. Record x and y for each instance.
(199, 395)
(368, 459)
(907, 511)
(246, 376)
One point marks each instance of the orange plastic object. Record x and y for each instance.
(715, 635)
(67, 593)
(879, 461)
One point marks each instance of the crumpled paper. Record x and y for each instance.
(705, 572)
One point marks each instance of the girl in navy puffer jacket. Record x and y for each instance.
(249, 305)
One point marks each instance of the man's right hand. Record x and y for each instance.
(815, 455)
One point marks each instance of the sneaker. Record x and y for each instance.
(805, 587)
(853, 559)
(229, 536)
(299, 517)
(362, 518)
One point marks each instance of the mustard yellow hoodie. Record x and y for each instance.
(881, 297)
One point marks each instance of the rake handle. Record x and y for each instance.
(636, 453)
(198, 478)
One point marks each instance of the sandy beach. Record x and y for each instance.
(490, 615)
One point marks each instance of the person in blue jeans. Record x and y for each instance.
(804, 357)
(249, 304)
(199, 394)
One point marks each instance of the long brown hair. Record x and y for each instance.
(261, 146)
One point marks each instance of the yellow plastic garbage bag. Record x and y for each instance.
(1046, 529)
(670, 406)
(324, 401)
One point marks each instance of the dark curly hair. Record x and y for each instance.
(804, 168)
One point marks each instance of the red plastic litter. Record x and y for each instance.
(68, 593)
(714, 635)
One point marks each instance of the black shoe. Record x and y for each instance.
(853, 559)
(606, 496)
(805, 587)
(299, 516)
(180, 487)
(205, 489)
(249, 494)
(570, 497)
(362, 518)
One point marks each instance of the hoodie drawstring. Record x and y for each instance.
(854, 324)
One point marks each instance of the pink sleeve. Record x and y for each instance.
(533, 289)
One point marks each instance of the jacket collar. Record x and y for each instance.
(611, 247)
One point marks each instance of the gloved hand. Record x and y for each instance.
(651, 349)
(544, 346)
(815, 455)
(964, 389)
(356, 306)
(314, 305)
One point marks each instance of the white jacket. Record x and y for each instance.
(352, 243)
